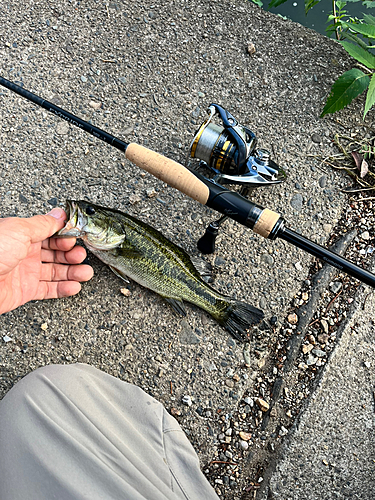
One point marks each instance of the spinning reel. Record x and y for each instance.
(229, 152)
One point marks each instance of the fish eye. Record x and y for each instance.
(90, 210)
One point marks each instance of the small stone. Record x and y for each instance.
(283, 431)
(327, 228)
(323, 338)
(23, 198)
(219, 261)
(263, 405)
(273, 412)
(245, 436)
(186, 400)
(122, 79)
(293, 318)
(187, 334)
(251, 48)
(6, 338)
(134, 198)
(323, 181)
(288, 414)
(261, 362)
(365, 235)
(62, 128)
(324, 324)
(367, 364)
(229, 383)
(316, 138)
(244, 445)
(95, 105)
(305, 296)
(306, 348)
(151, 193)
(335, 286)
(83, 79)
(236, 377)
(44, 326)
(175, 412)
(296, 201)
(318, 353)
(325, 462)
(267, 259)
(125, 291)
(196, 112)
(311, 360)
(52, 201)
(302, 366)
(298, 266)
(246, 357)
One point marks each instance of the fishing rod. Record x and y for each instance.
(229, 151)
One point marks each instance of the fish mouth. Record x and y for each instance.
(73, 226)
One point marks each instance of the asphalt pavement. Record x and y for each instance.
(146, 72)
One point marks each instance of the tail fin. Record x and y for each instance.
(238, 318)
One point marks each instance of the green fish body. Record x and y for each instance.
(135, 250)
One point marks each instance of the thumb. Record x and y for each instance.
(42, 227)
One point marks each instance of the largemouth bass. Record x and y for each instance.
(133, 249)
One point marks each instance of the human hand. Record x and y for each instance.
(34, 266)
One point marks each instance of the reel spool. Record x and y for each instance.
(229, 151)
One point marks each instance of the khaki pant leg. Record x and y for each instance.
(73, 432)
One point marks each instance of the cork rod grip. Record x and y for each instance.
(168, 171)
(266, 222)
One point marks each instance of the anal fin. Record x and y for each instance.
(177, 305)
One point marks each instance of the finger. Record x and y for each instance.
(63, 244)
(60, 272)
(41, 227)
(75, 256)
(57, 290)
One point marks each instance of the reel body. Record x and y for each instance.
(229, 151)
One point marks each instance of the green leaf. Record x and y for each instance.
(369, 19)
(345, 89)
(259, 3)
(360, 54)
(309, 4)
(370, 98)
(355, 39)
(370, 4)
(364, 29)
(276, 3)
(340, 4)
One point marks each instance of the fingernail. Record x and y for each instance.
(57, 213)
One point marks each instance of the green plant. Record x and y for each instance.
(357, 37)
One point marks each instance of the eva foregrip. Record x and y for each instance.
(169, 171)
